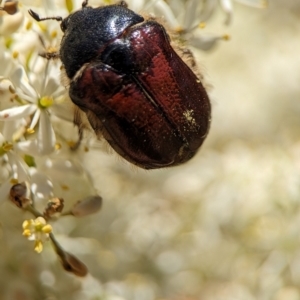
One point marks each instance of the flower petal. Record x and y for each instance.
(227, 7)
(7, 65)
(20, 79)
(29, 147)
(45, 142)
(13, 130)
(35, 118)
(163, 9)
(205, 42)
(18, 167)
(24, 96)
(46, 136)
(2, 138)
(5, 189)
(191, 14)
(40, 220)
(17, 112)
(254, 3)
(64, 110)
(207, 10)
(52, 86)
(41, 185)
(4, 89)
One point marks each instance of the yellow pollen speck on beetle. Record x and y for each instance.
(189, 117)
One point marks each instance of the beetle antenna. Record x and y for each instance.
(37, 17)
(84, 3)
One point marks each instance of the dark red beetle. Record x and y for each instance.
(134, 88)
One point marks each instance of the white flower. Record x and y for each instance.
(188, 17)
(37, 99)
(37, 230)
(16, 169)
(8, 65)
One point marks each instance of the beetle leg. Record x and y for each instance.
(78, 122)
(50, 55)
(78, 142)
(47, 54)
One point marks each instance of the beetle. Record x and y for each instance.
(132, 85)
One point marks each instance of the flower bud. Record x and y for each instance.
(19, 195)
(11, 7)
(11, 20)
(72, 264)
(54, 206)
(87, 206)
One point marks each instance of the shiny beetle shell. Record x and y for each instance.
(135, 89)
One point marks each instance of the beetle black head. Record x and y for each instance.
(89, 30)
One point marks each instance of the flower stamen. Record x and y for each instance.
(45, 102)
(37, 230)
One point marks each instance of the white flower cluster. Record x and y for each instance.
(36, 129)
(31, 94)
